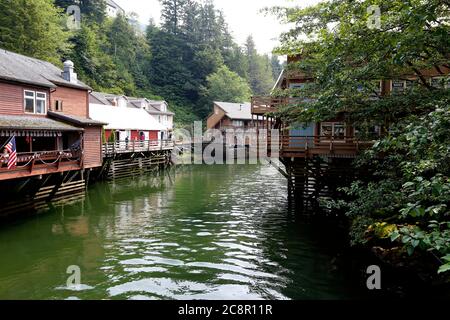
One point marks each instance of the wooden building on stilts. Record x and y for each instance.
(45, 111)
(319, 157)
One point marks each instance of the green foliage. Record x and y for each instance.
(259, 69)
(173, 61)
(192, 44)
(412, 187)
(103, 135)
(34, 28)
(112, 137)
(94, 65)
(225, 85)
(407, 195)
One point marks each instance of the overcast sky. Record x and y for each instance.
(242, 16)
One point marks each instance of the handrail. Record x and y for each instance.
(124, 146)
(46, 155)
(266, 104)
(323, 144)
(48, 158)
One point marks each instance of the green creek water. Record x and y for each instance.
(204, 232)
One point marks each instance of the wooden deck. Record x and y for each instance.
(45, 162)
(310, 146)
(123, 147)
(264, 105)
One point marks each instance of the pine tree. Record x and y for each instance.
(172, 15)
(276, 67)
(93, 64)
(130, 53)
(33, 28)
(259, 69)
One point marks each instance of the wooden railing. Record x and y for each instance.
(263, 105)
(117, 147)
(303, 146)
(42, 159)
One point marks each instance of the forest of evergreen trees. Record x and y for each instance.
(184, 60)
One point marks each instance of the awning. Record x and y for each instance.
(33, 126)
(30, 133)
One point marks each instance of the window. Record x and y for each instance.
(238, 123)
(398, 86)
(41, 100)
(29, 101)
(35, 102)
(334, 130)
(58, 105)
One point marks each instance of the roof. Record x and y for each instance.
(236, 111)
(76, 120)
(19, 68)
(279, 80)
(103, 98)
(153, 110)
(113, 4)
(123, 118)
(34, 123)
(132, 102)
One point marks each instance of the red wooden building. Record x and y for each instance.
(46, 109)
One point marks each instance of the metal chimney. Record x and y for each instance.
(68, 73)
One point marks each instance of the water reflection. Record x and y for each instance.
(207, 232)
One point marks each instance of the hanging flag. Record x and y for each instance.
(12, 150)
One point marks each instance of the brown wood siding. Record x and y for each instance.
(12, 97)
(74, 101)
(215, 118)
(93, 147)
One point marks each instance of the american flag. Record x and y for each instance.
(12, 150)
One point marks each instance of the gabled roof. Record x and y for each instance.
(236, 111)
(104, 98)
(153, 110)
(132, 102)
(123, 118)
(23, 69)
(279, 80)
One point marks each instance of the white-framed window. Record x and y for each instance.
(398, 86)
(29, 101)
(334, 130)
(35, 102)
(41, 102)
(238, 123)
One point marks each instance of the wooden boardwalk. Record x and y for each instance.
(124, 147)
